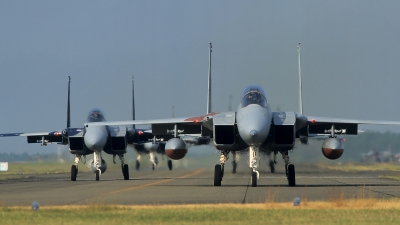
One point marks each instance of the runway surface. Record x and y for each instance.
(190, 186)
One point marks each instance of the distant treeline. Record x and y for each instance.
(365, 141)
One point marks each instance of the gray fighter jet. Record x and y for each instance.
(253, 126)
(110, 139)
(148, 144)
(94, 140)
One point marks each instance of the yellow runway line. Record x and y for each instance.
(154, 183)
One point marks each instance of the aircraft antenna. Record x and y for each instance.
(133, 101)
(300, 87)
(209, 83)
(68, 104)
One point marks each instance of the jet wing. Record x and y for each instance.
(322, 125)
(45, 137)
(38, 137)
(185, 120)
(322, 120)
(162, 127)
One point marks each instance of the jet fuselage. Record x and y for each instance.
(254, 116)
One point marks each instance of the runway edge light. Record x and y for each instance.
(296, 201)
(35, 206)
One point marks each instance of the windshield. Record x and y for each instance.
(95, 115)
(254, 97)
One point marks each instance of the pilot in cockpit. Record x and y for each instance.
(95, 116)
(254, 97)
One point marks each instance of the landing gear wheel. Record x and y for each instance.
(222, 172)
(170, 164)
(234, 165)
(152, 166)
(74, 172)
(253, 179)
(137, 165)
(217, 175)
(156, 160)
(125, 171)
(97, 175)
(272, 166)
(291, 175)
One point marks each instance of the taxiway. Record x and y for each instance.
(191, 186)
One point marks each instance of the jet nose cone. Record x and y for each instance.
(253, 133)
(95, 140)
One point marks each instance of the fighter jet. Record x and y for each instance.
(94, 140)
(110, 139)
(254, 126)
(148, 144)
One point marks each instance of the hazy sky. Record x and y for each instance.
(350, 59)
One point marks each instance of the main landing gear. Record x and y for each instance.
(272, 166)
(234, 161)
(254, 163)
(220, 168)
(124, 167)
(74, 168)
(289, 169)
(137, 166)
(153, 160)
(291, 175)
(74, 172)
(217, 175)
(169, 164)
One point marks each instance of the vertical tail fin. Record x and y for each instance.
(209, 84)
(68, 104)
(300, 87)
(133, 101)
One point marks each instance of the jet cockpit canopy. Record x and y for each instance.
(254, 94)
(96, 115)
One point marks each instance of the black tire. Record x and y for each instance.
(125, 171)
(137, 165)
(222, 172)
(170, 164)
(272, 166)
(217, 175)
(152, 166)
(291, 175)
(234, 166)
(97, 175)
(253, 179)
(156, 160)
(74, 171)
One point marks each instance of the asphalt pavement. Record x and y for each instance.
(192, 186)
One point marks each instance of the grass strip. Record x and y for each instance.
(365, 211)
